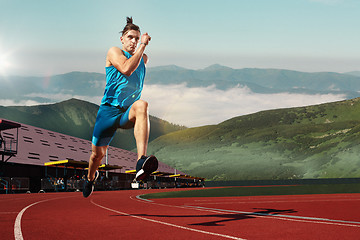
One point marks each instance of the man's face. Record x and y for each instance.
(130, 41)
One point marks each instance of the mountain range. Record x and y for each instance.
(259, 80)
(85, 85)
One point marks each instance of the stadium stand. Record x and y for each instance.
(44, 157)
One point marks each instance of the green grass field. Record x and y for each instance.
(260, 191)
(320, 141)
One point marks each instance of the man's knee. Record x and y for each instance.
(97, 154)
(141, 106)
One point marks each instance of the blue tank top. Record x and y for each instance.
(122, 90)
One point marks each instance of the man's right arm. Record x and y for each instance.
(117, 58)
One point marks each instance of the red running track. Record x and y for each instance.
(121, 215)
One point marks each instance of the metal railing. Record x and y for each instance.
(51, 184)
(8, 145)
(15, 184)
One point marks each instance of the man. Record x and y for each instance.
(121, 106)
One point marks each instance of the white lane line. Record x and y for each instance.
(287, 217)
(167, 224)
(267, 215)
(142, 199)
(17, 226)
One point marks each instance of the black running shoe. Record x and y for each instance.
(89, 185)
(145, 166)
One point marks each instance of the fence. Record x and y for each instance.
(4, 184)
(59, 184)
(13, 185)
(51, 184)
(20, 184)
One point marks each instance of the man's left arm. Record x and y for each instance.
(146, 58)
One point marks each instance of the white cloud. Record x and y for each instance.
(54, 98)
(193, 107)
(10, 102)
(202, 106)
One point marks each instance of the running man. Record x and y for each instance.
(121, 106)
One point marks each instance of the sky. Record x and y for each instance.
(50, 37)
(43, 38)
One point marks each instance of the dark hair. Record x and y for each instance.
(129, 26)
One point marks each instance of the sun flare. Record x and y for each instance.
(5, 62)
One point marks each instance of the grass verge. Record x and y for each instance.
(260, 191)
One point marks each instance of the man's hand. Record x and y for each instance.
(145, 38)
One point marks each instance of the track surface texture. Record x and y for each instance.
(124, 215)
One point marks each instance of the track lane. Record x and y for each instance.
(119, 214)
(165, 218)
(11, 205)
(333, 216)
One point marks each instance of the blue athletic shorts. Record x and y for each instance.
(109, 119)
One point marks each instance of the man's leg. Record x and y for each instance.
(140, 116)
(94, 163)
(97, 155)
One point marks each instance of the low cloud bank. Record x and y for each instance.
(193, 107)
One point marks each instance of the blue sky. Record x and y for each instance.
(46, 37)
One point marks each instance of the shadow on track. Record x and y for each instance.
(226, 217)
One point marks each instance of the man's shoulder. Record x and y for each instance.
(115, 50)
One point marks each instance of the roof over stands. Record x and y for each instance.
(163, 174)
(187, 177)
(156, 173)
(109, 167)
(79, 164)
(4, 125)
(159, 173)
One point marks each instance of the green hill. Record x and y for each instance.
(77, 118)
(319, 141)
